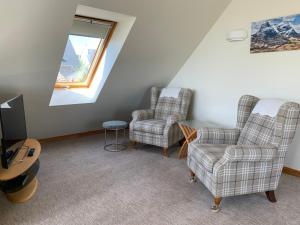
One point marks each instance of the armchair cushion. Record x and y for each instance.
(217, 136)
(206, 154)
(143, 114)
(150, 126)
(250, 153)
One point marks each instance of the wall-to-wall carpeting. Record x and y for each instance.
(80, 183)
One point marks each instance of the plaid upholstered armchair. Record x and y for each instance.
(249, 158)
(158, 125)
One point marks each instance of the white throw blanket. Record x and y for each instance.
(268, 107)
(170, 92)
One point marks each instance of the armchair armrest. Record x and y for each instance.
(217, 136)
(143, 114)
(250, 153)
(174, 118)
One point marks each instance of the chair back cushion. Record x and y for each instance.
(258, 130)
(168, 104)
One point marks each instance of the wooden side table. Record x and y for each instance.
(19, 181)
(189, 129)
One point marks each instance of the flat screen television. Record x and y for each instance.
(13, 127)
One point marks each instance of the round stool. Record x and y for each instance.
(115, 125)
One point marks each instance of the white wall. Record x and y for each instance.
(32, 42)
(220, 71)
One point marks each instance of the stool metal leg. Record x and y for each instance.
(116, 146)
(105, 136)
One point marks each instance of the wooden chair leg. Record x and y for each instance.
(271, 196)
(165, 152)
(132, 144)
(217, 202)
(192, 177)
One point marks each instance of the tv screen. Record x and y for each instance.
(13, 126)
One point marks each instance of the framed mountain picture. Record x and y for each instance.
(279, 34)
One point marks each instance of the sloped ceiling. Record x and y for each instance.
(32, 40)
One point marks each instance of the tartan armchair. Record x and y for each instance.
(159, 125)
(247, 159)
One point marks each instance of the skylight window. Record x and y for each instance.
(85, 47)
(91, 50)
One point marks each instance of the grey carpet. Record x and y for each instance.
(80, 183)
